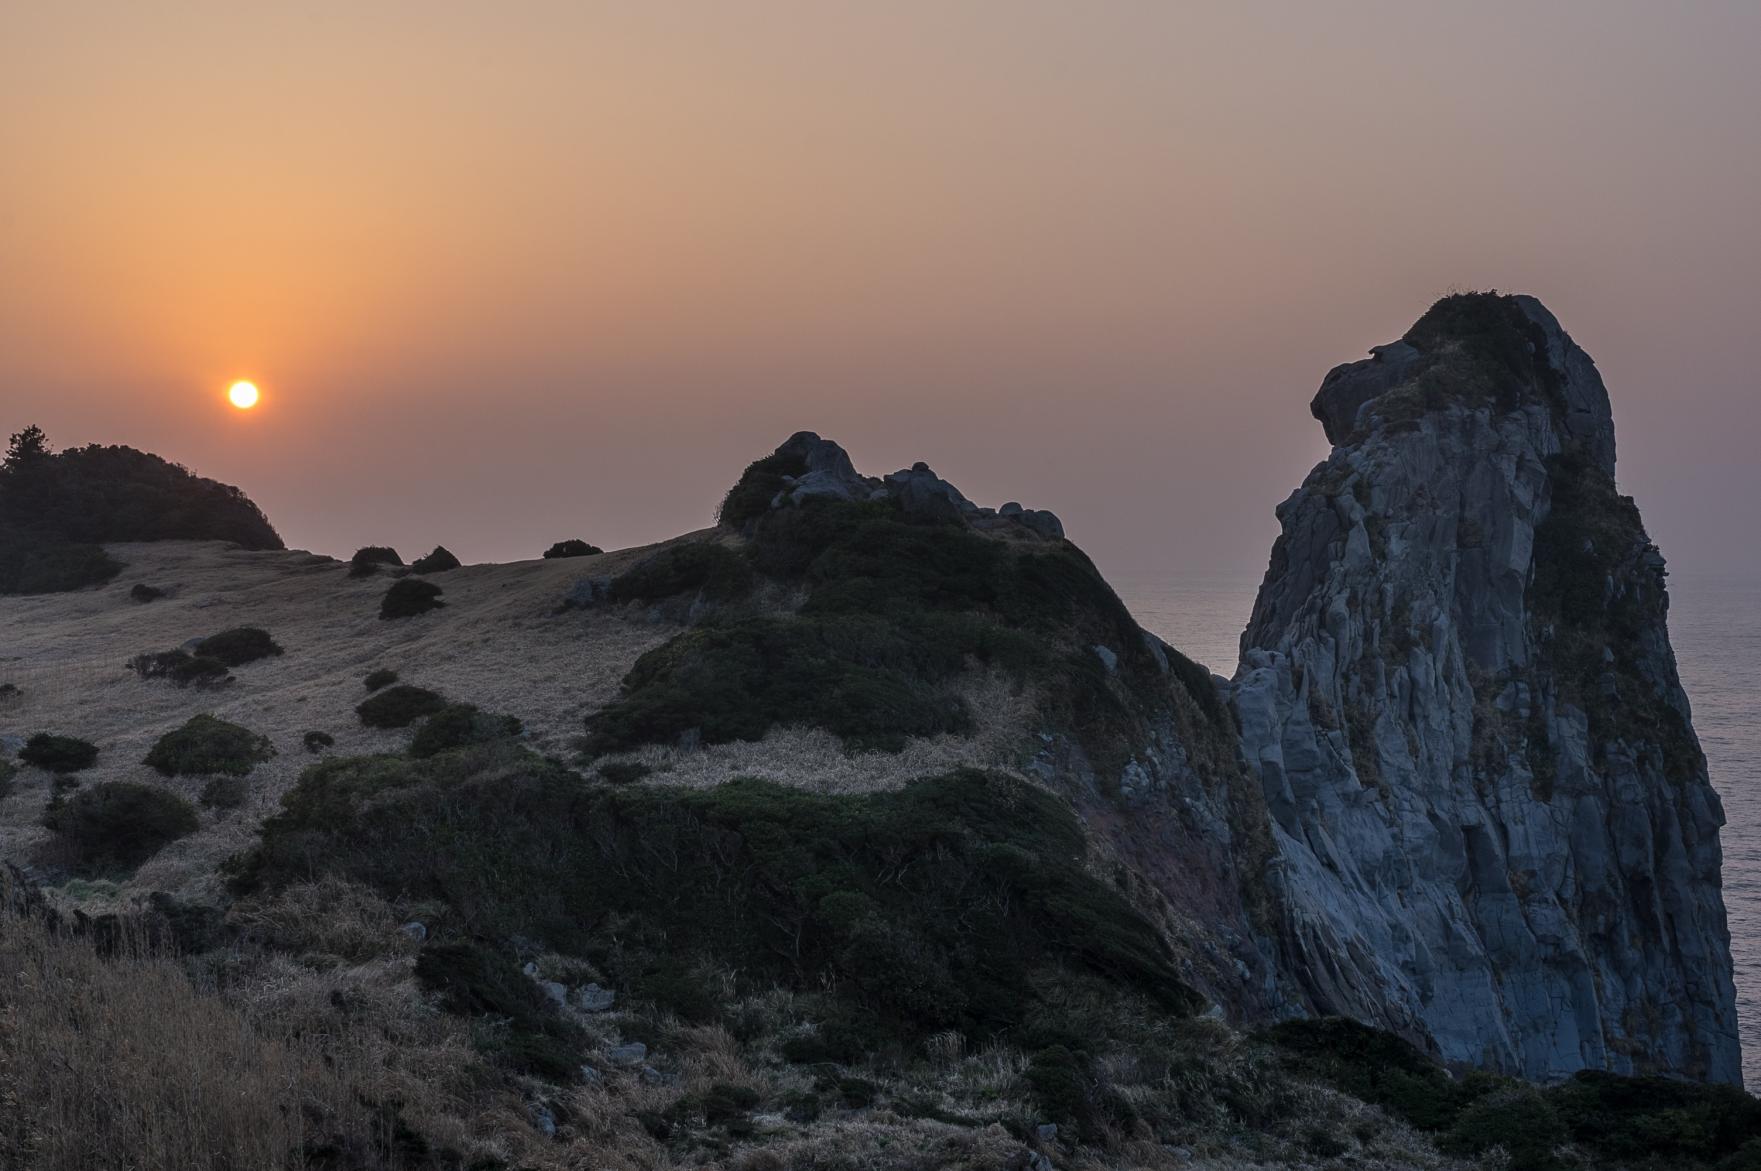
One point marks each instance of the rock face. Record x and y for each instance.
(1493, 827)
(821, 468)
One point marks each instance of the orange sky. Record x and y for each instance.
(512, 273)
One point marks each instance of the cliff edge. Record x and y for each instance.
(1494, 829)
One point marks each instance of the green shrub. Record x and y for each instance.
(1373, 1066)
(31, 565)
(142, 592)
(379, 678)
(941, 905)
(236, 647)
(181, 668)
(757, 486)
(623, 772)
(1519, 1119)
(224, 792)
(473, 979)
(368, 559)
(856, 678)
(205, 745)
(399, 706)
(460, 725)
(1059, 1081)
(9, 691)
(8, 770)
(713, 571)
(438, 561)
(573, 547)
(117, 825)
(317, 742)
(59, 754)
(1663, 1120)
(408, 597)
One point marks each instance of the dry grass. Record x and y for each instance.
(122, 1064)
(501, 643)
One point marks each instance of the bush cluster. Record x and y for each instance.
(224, 792)
(461, 725)
(942, 905)
(856, 678)
(408, 597)
(142, 592)
(573, 547)
(757, 486)
(238, 646)
(58, 508)
(317, 742)
(438, 561)
(399, 706)
(1649, 1121)
(367, 560)
(181, 668)
(117, 825)
(381, 677)
(894, 609)
(59, 754)
(706, 568)
(205, 745)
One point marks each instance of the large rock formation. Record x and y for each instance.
(1494, 829)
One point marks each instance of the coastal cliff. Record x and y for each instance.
(1494, 830)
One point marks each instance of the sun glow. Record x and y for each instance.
(243, 395)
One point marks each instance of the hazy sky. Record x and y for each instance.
(509, 273)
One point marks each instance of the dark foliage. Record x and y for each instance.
(409, 597)
(757, 486)
(461, 725)
(8, 770)
(573, 547)
(713, 571)
(438, 561)
(34, 565)
(59, 754)
(236, 647)
(1649, 1121)
(181, 668)
(854, 677)
(56, 509)
(368, 559)
(1483, 347)
(894, 610)
(205, 745)
(473, 979)
(936, 906)
(317, 742)
(623, 772)
(1372, 1066)
(142, 592)
(383, 677)
(1672, 1122)
(117, 825)
(224, 792)
(9, 691)
(399, 706)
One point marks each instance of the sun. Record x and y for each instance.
(243, 395)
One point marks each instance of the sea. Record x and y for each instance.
(1715, 627)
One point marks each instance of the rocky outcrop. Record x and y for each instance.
(1494, 831)
(808, 467)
